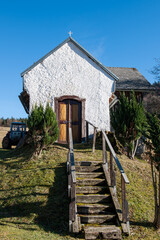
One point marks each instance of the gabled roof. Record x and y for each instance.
(130, 79)
(80, 47)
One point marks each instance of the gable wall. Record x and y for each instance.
(68, 71)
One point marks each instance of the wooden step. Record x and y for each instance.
(98, 219)
(90, 182)
(102, 232)
(92, 189)
(88, 163)
(96, 198)
(90, 174)
(94, 168)
(95, 208)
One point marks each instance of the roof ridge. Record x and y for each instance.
(122, 67)
(81, 48)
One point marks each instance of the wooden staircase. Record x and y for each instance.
(94, 202)
(94, 206)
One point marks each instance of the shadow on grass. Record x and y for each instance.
(9, 157)
(52, 215)
(142, 224)
(85, 147)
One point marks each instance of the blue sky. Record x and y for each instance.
(122, 33)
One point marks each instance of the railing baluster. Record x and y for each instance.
(69, 182)
(105, 161)
(112, 174)
(73, 200)
(94, 139)
(104, 148)
(111, 169)
(68, 161)
(87, 132)
(69, 173)
(125, 212)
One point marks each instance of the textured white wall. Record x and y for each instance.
(68, 71)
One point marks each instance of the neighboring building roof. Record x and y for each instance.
(80, 47)
(130, 79)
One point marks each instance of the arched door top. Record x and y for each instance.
(71, 97)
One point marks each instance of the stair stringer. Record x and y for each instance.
(125, 226)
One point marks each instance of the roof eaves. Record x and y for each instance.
(136, 89)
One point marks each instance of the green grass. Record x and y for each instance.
(33, 194)
(140, 197)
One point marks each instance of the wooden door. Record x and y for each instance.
(69, 116)
(63, 122)
(75, 112)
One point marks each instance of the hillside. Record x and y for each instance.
(33, 194)
(3, 132)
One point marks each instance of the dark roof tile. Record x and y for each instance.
(130, 79)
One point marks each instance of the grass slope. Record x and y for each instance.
(3, 132)
(33, 194)
(140, 197)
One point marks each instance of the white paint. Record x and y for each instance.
(69, 71)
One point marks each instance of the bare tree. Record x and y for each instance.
(151, 100)
(156, 70)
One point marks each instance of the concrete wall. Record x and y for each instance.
(68, 71)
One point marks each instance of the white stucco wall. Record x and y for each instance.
(68, 71)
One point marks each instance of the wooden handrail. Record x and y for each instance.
(71, 152)
(111, 179)
(111, 176)
(94, 135)
(73, 218)
(90, 123)
(116, 159)
(111, 149)
(70, 140)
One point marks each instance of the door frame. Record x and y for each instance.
(76, 98)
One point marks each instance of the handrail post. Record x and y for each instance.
(112, 174)
(125, 211)
(69, 173)
(104, 151)
(68, 161)
(94, 139)
(70, 139)
(73, 202)
(72, 207)
(87, 134)
(111, 169)
(104, 148)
